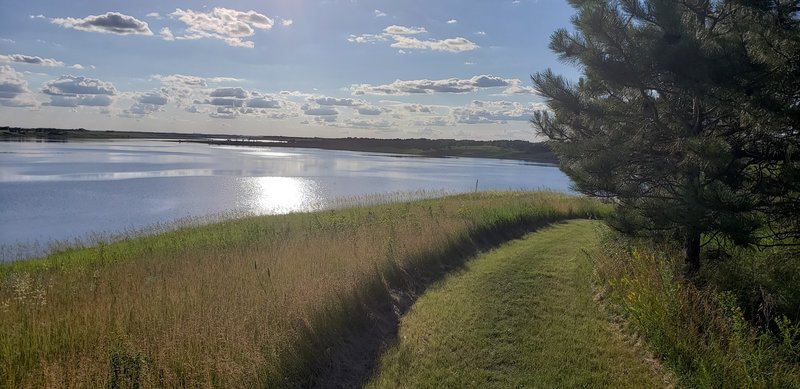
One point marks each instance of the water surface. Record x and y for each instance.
(62, 191)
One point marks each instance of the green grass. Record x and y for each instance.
(700, 331)
(255, 302)
(520, 316)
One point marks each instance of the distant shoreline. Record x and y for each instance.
(499, 149)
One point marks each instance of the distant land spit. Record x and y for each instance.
(500, 149)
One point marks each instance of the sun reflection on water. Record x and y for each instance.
(277, 195)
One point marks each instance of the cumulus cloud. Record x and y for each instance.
(72, 91)
(146, 104)
(451, 85)
(405, 39)
(452, 21)
(319, 111)
(110, 22)
(368, 38)
(287, 22)
(368, 124)
(418, 108)
(452, 45)
(379, 13)
(225, 113)
(434, 122)
(264, 102)
(183, 89)
(228, 25)
(403, 30)
(14, 89)
(31, 59)
(181, 79)
(371, 110)
(76, 100)
(166, 34)
(324, 100)
(237, 92)
(153, 98)
(493, 112)
(232, 102)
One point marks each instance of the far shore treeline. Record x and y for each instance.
(501, 149)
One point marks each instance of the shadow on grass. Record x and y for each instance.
(351, 337)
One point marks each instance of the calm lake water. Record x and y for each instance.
(62, 191)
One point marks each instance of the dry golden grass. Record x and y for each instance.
(243, 303)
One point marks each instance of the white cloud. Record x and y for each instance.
(152, 98)
(287, 22)
(379, 13)
(154, 15)
(519, 90)
(110, 22)
(404, 39)
(369, 110)
(6, 40)
(368, 38)
(185, 89)
(319, 111)
(237, 93)
(418, 108)
(72, 91)
(30, 59)
(264, 102)
(435, 122)
(403, 30)
(452, 21)
(228, 25)
(39, 16)
(73, 86)
(12, 84)
(452, 45)
(368, 124)
(480, 33)
(166, 34)
(325, 100)
(451, 85)
(139, 109)
(77, 66)
(494, 112)
(224, 113)
(181, 79)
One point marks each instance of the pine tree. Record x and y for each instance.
(687, 116)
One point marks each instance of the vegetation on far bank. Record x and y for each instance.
(520, 316)
(499, 149)
(262, 301)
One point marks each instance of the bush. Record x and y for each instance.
(701, 333)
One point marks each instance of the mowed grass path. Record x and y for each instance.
(519, 316)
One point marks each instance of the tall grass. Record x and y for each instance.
(701, 334)
(259, 301)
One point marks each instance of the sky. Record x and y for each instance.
(328, 68)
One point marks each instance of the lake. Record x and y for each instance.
(58, 191)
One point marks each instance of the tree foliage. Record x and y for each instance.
(687, 116)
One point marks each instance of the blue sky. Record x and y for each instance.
(329, 68)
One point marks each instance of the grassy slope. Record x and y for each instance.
(253, 302)
(519, 316)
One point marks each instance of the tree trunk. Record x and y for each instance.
(693, 250)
